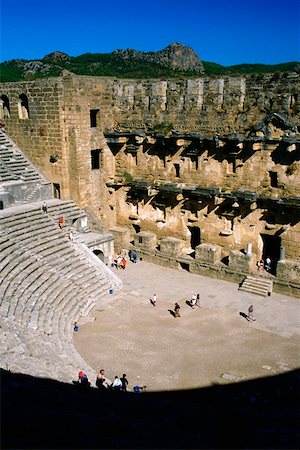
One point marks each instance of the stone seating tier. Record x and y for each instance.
(46, 283)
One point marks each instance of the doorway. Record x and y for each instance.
(99, 254)
(137, 228)
(271, 249)
(195, 236)
(56, 189)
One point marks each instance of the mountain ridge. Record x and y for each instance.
(176, 60)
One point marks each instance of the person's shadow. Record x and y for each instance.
(244, 315)
(171, 312)
(188, 302)
(152, 302)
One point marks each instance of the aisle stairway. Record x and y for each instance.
(260, 286)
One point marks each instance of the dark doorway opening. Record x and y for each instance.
(271, 249)
(195, 236)
(185, 266)
(99, 254)
(56, 190)
(177, 170)
(137, 228)
(1, 204)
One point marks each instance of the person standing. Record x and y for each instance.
(268, 264)
(124, 382)
(100, 379)
(134, 256)
(45, 207)
(176, 310)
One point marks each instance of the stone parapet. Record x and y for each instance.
(208, 253)
(240, 261)
(145, 240)
(288, 270)
(171, 246)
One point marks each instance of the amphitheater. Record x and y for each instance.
(199, 175)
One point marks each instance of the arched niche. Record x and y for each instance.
(4, 107)
(23, 108)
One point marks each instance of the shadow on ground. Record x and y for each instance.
(46, 414)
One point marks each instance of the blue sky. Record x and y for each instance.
(223, 31)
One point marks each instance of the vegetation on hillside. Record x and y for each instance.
(109, 64)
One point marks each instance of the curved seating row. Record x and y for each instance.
(46, 283)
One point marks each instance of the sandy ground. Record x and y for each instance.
(213, 344)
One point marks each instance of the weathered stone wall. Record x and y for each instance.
(78, 118)
(42, 134)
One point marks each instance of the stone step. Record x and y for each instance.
(259, 286)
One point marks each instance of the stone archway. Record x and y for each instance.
(99, 254)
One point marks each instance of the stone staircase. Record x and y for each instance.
(259, 286)
(13, 163)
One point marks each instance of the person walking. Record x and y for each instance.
(176, 310)
(153, 301)
(193, 300)
(250, 313)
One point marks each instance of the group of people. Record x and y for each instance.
(121, 260)
(195, 301)
(119, 384)
(264, 265)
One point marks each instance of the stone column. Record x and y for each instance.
(282, 254)
(249, 249)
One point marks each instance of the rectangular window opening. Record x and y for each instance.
(95, 159)
(94, 117)
(274, 179)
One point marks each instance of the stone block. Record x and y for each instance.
(145, 240)
(171, 246)
(288, 270)
(241, 261)
(121, 235)
(208, 253)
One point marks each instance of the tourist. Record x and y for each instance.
(61, 222)
(124, 382)
(193, 300)
(176, 310)
(71, 236)
(45, 208)
(133, 256)
(83, 379)
(75, 326)
(260, 265)
(117, 384)
(250, 313)
(100, 379)
(118, 262)
(138, 389)
(268, 264)
(124, 262)
(153, 301)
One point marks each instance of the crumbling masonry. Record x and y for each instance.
(196, 173)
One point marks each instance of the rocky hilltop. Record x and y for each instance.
(173, 61)
(176, 56)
